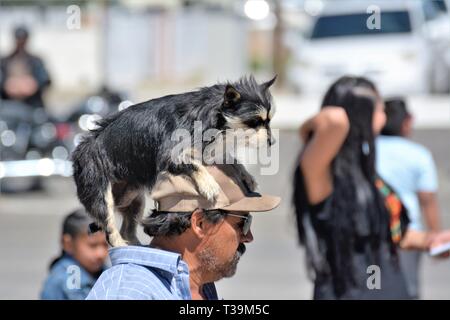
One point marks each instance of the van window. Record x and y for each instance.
(356, 24)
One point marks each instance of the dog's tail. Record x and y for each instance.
(91, 170)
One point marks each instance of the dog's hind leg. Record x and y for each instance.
(132, 214)
(91, 171)
(113, 234)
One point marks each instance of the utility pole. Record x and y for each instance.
(279, 54)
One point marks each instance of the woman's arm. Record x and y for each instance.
(323, 135)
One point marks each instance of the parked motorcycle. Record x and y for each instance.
(73, 127)
(27, 139)
(34, 145)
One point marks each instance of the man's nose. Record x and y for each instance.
(248, 237)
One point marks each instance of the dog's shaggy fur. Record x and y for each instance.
(117, 162)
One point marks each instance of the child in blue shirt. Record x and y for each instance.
(74, 272)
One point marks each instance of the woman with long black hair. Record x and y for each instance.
(349, 221)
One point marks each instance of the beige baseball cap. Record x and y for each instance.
(179, 193)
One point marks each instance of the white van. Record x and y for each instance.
(384, 40)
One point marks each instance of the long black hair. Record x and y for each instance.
(356, 214)
(74, 224)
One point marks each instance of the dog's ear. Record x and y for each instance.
(231, 96)
(266, 85)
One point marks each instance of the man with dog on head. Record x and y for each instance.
(195, 241)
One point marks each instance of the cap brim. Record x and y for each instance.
(257, 203)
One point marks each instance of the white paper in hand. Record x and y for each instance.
(435, 251)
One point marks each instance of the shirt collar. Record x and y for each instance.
(150, 257)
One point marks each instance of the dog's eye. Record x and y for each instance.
(253, 123)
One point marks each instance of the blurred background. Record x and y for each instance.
(92, 58)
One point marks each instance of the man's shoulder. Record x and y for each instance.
(128, 281)
(404, 144)
(418, 153)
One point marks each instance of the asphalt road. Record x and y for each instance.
(272, 268)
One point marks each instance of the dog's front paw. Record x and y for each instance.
(250, 182)
(207, 187)
(245, 177)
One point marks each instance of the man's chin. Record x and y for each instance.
(232, 268)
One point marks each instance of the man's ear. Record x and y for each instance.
(268, 84)
(231, 96)
(198, 223)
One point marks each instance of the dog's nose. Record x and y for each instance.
(271, 141)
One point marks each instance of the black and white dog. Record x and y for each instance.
(118, 161)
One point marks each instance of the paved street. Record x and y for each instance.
(272, 268)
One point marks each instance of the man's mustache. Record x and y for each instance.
(241, 249)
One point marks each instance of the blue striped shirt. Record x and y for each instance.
(144, 273)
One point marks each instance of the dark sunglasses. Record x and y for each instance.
(247, 222)
(245, 227)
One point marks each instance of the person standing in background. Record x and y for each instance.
(342, 218)
(23, 76)
(409, 168)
